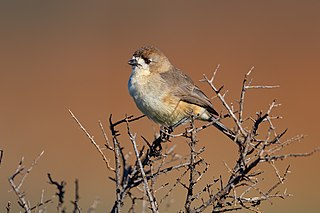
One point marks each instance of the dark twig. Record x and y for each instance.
(8, 207)
(1, 156)
(282, 157)
(153, 202)
(117, 156)
(76, 207)
(192, 168)
(42, 203)
(61, 192)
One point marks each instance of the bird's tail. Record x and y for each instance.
(225, 130)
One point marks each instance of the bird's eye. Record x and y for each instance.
(147, 60)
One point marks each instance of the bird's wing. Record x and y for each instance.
(183, 87)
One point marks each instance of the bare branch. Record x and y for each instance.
(282, 157)
(8, 207)
(75, 203)
(117, 156)
(262, 87)
(42, 203)
(61, 191)
(105, 137)
(1, 156)
(243, 91)
(16, 188)
(29, 170)
(239, 125)
(93, 142)
(192, 169)
(153, 202)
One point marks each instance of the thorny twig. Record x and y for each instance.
(105, 137)
(92, 141)
(8, 207)
(225, 104)
(192, 168)
(252, 152)
(76, 207)
(16, 188)
(153, 202)
(42, 202)
(1, 156)
(61, 192)
(117, 156)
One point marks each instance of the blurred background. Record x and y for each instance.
(60, 55)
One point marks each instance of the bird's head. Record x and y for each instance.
(149, 60)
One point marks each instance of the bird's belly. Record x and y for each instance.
(150, 99)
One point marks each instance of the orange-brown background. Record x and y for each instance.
(61, 54)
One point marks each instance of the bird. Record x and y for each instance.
(165, 94)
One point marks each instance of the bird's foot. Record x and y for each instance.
(165, 133)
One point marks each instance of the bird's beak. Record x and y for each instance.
(133, 62)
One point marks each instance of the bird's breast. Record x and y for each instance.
(152, 97)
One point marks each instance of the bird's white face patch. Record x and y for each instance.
(141, 68)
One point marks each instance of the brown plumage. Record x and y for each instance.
(164, 93)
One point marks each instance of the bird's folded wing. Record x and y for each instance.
(183, 87)
(197, 97)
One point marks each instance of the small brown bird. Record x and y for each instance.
(164, 93)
